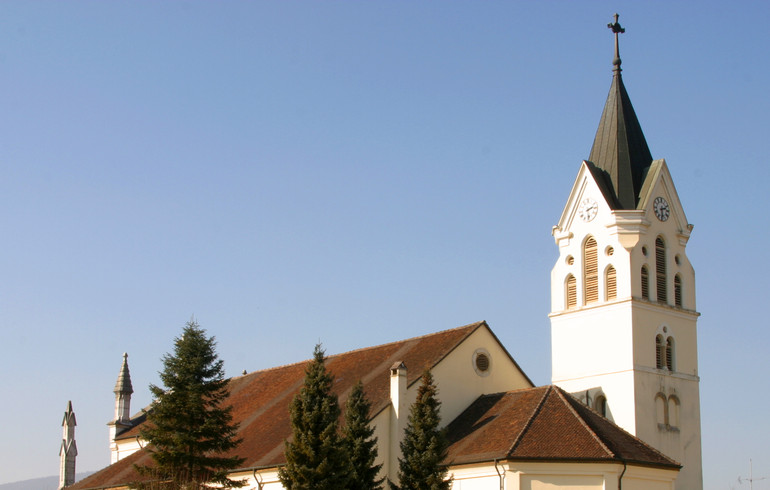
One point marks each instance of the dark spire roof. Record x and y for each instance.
(620, 149)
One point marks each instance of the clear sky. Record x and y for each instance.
(354, 173)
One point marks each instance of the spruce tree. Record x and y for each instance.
(316, 457)
(362, 446)
(424, 447)
(189, 426)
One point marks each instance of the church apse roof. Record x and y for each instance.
(543, 424)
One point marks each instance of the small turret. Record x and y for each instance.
(122, 420)
(68, 450)
(123, 391)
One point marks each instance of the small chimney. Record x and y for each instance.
(398, 388)
(399, 417)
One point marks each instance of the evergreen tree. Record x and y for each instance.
(424, 447)
(316, 457)
(362, 446)
(189, 427)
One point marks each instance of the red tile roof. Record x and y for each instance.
(261, 399)
(543, 424)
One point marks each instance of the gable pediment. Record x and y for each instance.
(590, 188)
(659, 183)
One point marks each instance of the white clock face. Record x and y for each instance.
(588, 209)
(662, 211)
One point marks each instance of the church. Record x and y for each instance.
(623, 409)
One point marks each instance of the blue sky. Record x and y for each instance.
(354, 173)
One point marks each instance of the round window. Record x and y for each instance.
(482, 362)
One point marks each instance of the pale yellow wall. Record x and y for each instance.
(459, 384)
(641, 478)
(564, 482)
(588, 476)
(476, 477)
(124, 448)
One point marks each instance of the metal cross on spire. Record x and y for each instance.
(616, 29)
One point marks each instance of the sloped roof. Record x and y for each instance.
(543, 424)
(261, 399)
(620, 149)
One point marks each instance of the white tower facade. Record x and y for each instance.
(623, 315)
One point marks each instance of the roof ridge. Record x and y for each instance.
(531, 419)
(362, 349)
(593, 433)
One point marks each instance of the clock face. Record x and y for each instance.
(588, 209)
(662, 211)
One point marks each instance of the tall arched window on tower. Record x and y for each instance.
(660, 270)
(645, 282)
(678, 290)
(670, 353)
(661, 411)
(571, 293)
(660, 352)
(591, 271)
(673, 412)
(611, 283)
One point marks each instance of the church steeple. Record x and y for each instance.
(619, 148)
(623, 318)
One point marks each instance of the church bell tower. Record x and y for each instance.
(623, 316)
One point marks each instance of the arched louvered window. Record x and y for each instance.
(660, 352)
(670, 353)
(660, 270)
(645, 282)
(678, 290)
(611, 283)
(571, 291)
(591, 271)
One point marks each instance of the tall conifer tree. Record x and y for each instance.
(316, 457)
(189, 426)
(424, 446)
(360, 440)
